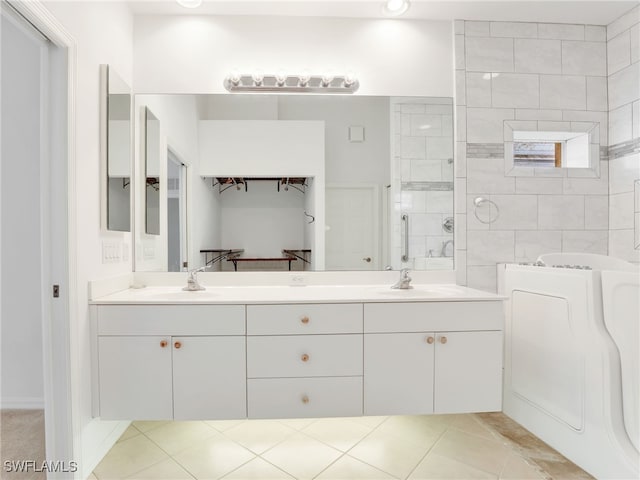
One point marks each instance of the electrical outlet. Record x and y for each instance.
(297, 280)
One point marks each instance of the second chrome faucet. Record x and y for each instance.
(404, 282)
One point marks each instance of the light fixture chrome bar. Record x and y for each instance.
(291, 83)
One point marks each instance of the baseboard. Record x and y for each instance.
(98, 438)
(22, 403)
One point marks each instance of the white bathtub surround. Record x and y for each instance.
(540, 76)
(624, 133)
(589, 320)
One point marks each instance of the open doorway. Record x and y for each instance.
(176, 213)
(34, 253)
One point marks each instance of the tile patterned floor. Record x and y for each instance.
(402, 447)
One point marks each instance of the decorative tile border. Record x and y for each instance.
(624, 148)
(485, 150)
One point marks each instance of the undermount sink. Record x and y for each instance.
(178, 294)
(411, 292)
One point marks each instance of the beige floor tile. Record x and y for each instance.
(130, 432)
(468, 424)
(436, 466)
(421, 430)
(92, 477)
(297, 423)
(177, 436)
(258, 469)
(516, 468)
(146, 425)
(129, 457)
(339, 433)
(349, 468)
(480, 453)
(166, 470)
(370, 421)
(389, 453)
(213, 458)
(301, 456)
(259, 435)
(224, 425)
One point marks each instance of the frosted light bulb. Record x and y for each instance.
(281, 78)
(258, 77)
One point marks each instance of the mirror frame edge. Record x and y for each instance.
(104, 147)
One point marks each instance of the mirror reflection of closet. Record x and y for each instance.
(116, 151)
(176, 213)
(152, 173)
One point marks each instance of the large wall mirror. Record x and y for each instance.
(115, 151)
(304, 182)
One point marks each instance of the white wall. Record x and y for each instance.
(184, 54)
(262, 221)
(623, 69)
(104, 35)
(347, 162)
(22, 375)
(178, 116)
(537, 76)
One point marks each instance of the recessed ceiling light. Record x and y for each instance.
(395, 8)
(189, 3)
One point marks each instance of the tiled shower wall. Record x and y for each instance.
(422, 149)
(623, 68)
(555, 74)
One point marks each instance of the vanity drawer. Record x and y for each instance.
(304, 319)
(171, 319)
(304, 397)
(433, 316)
(304, 356)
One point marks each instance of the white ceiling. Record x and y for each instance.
(569, 11)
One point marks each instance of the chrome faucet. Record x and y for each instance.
(443, 252)
(404, 282)
(192, 280)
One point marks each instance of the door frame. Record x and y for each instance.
(59, 235)
(184, 192)
(374, 188)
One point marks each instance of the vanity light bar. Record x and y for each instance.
(291, 83)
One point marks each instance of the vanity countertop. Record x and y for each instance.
(305, 294)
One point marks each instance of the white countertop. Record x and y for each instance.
(286, 294)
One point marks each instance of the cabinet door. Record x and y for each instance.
(135, 378)
(209, 378)
(398, 373)
(468, 372)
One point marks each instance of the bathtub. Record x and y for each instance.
(571, 358)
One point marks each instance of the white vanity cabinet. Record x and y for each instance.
(189, 361)
(171, 362)
(437, 357)
(304, 360)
